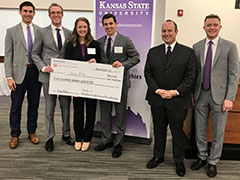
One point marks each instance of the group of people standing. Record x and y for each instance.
(56, 41)
(174, 73)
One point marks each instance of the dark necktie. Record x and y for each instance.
(207, 67)
(30, 44)
(108, 47)
(59, 39)
(169, 52)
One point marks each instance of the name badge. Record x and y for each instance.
(118, 49)
(91, 50)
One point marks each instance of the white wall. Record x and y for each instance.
(72, 10)
(41, 18)
(158, 18)
(191, 23)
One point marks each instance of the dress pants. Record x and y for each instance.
(106, 119)
(203, 106)
(50, 104)
(162, 116)
(84, 133)
(32, 86)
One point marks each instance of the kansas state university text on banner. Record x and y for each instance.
(134, 18)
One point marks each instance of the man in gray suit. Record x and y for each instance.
(50, 43)
(117, 50)
(22, 74)
(215, 91)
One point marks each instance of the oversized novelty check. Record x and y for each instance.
(83, 79)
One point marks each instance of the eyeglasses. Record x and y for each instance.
(53, 12)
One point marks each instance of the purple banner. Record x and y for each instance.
(134, 18)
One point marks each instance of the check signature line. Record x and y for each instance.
(105, 85)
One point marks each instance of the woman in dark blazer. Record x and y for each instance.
(82, 47)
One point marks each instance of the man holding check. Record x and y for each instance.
(50, 43)
(117, 50)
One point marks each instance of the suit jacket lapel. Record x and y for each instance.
(218, 50)
(102, 42)
(116, 43)
(51, 38)
(202, 49)
(66, 37)
(163, 58)
(21, 35)
(36, 30)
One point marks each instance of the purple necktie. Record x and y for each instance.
(30, 44)
(207, 67)
(59, 39)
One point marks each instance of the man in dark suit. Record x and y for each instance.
(170, 72)
(22, 74)
(50, 43)
(215, 90)
(117, 50)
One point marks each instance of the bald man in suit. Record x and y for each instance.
(22, 74)
(215, 91)
(48, 45)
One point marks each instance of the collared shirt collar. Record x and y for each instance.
(54, 27)
(25, 25)
(113, 36)
(172, 46)
(215, 41)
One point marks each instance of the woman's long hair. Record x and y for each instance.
(88, 38)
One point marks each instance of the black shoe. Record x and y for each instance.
(198, 164)
(68, 140)
(211, 170)
(180, 169)
(49, 145)
(102, 146)
(117, 151)
(154, 162)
